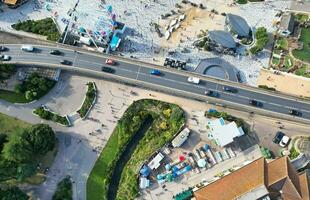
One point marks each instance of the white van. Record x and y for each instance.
(27, 48)
(193, 80)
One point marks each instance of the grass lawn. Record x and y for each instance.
(302, 71)
(288, 62)
(282, 44)
(10, 124)
(13, 97)
(302, 17)
(304, 54)
(168, 119)
(275, 61)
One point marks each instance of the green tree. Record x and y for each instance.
(28, 95)
(25, 170)
(13, 193)
(64, 190)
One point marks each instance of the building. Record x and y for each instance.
(221, 41)
(259, 180)
(287, 24)
(223, 134)
(14, 3)
(155, 162)
(238, 26)
(180, 138)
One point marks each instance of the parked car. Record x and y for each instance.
(255, 103)
(109, 61)
(108, 69)
(285, 140)
(155, 72)
(27, 48)
(5, 57)
(278, 137)
(55, 52)
(295, 112)
(3, 48)
(66, 62)
(212, 93)
(230, 89)
(192, 79)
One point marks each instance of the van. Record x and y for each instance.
(193, 80)
(27, 48)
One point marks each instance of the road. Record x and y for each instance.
(171, 79)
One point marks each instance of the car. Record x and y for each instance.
(230, 89)
(285, 140)
(255, 103)
(109, 61)
(295, 112)
(3, 48)
(27, 48)
(278, 137)
(108, 69)
(212, 93)
(66, 62)
(155, 72)
(55, 52)
(5, 57)
(192, 79)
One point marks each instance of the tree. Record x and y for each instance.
(3, 139)
(64, 190)
(13, 193)
(25, 170)
(28, 95)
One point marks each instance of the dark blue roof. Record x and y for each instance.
(238, 24)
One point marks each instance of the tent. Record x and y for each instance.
(145, 171)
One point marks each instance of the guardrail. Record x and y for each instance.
(175, 92)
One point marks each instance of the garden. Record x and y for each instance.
(304, 53)
(49, 115)
(26, 150)
(262, 39)
(45, 27)
(89, 99)
(168, 119)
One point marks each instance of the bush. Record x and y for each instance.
(293, 153)
(6, 71)
(45, 27)
(48, 115)
(266, 87)
(90, 97)
(261, 40)
(64, 190)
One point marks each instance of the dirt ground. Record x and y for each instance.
(286, 83)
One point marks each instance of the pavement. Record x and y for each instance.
(170, 79)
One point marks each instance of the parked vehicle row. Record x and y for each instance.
(281, 139)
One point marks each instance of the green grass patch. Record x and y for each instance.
(13, 97)
(282, 43)
(90, 97)
(48, 115)
(288, 62)
(262, 39)
(302, 71)
(168, 120)
(45, 27)
(11, 124)
(304, 54)
(275, 61)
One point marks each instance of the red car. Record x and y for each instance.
(109, 61)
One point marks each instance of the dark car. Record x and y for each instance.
(278, 137)
(66, 62)
(3, 48)
(55, 52)
(295, 112)
(108, 69)
(255, 103)
(212, 93)
(230, 89)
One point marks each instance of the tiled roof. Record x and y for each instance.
(235, 184)
(304, 186)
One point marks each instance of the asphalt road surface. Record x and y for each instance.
(168, 78)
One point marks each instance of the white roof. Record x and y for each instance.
(180, 138)
(224, 134)
(155, 162)
(144, 183)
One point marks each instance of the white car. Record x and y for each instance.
(193, 80)
(5, 57)
(285, 140)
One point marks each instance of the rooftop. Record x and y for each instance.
(239, 25)
(223, 38)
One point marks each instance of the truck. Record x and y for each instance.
(192, 79)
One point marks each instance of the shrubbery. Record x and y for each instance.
(90, 97)
(64, 190)
(262, 39)
(45, 27)
(266, 87)
(48, 115)
(34, 87)
(13, 193)
(6, 70)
